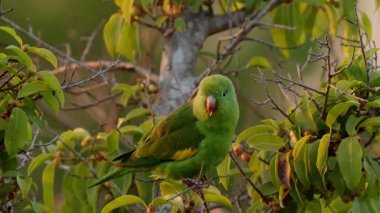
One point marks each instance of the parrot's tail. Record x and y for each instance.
(114, 174)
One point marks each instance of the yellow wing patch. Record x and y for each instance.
(183, 154)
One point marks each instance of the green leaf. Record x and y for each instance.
(360, 205)
(218, 199)
(54, 84)
(124, 200)
(351, 124)
(374, 104)
(258, 61)
(127, 10)
(314, 207)
(323, 152)
(159, 201)
(24, 183)
(253, 131)
(12, 33)
(48, 186)
(50, 100)
(315, 178)
(349, 156)
(290, 16)
(131, 130)
(338, 110)
(373, 121)
(266, 141)
(113, 143)
(120, 37)
(32, 88)
(23, 57)
(223, 170)
(273, 171)
(135, 113)
(300, 155)
(180, 24)
(17, 132)
(366, 23)
(45, 54)
(38, 161)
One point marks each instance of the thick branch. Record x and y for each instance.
(219, 23)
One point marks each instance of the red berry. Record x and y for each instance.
(246, 156)
(238, 150)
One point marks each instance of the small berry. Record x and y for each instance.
(238, 150)
(246, 156)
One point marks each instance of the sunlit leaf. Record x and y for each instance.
(349, 156)
(218, 199)
(24, 58)
(258, 61)
(45, 54)
(120, 37)
(338, 110)
(12, 33)
(48, 186)
(124, 200)
(38, 161)
(127, 9)
(301, 156)
(252, 131)
(323, 152)
(131, 130)
(135, 113)
(288, 15)
(266, 141)
(223, 170)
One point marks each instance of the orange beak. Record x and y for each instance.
(211, 105)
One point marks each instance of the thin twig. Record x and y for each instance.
(112, 66)
(80, 107)
(264, 199)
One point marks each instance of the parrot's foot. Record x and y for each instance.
(196, 185)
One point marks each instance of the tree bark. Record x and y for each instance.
(179, 57)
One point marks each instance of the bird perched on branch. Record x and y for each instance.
(193, 139)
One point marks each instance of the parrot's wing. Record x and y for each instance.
(176, 137)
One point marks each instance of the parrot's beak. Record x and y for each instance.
(211, 105)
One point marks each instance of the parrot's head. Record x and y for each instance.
(216, 100)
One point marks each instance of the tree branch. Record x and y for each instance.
(219, 23)
(106, 64)
(253, 21)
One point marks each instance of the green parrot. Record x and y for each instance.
(193, 139)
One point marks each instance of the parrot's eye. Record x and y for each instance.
(224, 93)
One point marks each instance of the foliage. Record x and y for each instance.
(324, 156)
(22, 84)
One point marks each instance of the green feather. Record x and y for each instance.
(189, 140)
